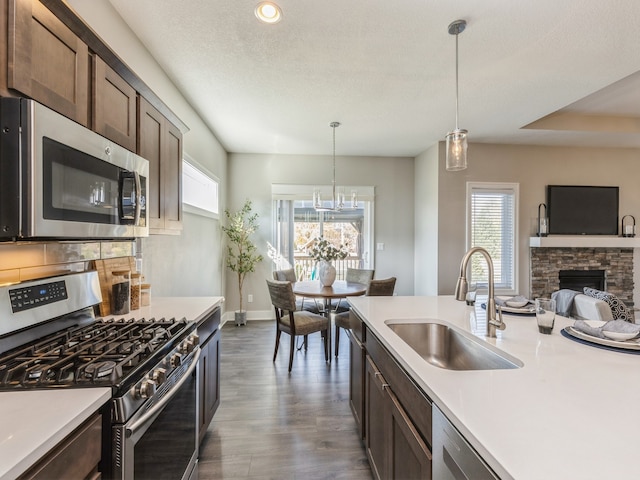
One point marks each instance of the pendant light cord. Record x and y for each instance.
(457, 82)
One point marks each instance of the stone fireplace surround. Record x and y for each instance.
(545, 264)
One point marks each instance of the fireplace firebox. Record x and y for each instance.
(578, 279)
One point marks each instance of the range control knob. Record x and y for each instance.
(195, 338)
(159, 375)
(176, 360)
(188, 345)
(147, 389)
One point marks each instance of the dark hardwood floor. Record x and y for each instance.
(276, 425)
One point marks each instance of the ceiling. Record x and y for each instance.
(386, 70)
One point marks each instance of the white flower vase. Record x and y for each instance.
(326, 273)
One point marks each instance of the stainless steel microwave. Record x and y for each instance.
(60, 180)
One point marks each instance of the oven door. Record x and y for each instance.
(161, 443)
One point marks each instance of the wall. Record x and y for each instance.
(426, 222)
(533, 168)
(251, 176)
(190, 263)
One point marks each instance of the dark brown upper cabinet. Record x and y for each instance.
(46, 60)
(114, 105)
(160, 142)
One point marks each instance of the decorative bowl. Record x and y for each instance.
(516, 303)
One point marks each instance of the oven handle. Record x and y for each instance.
(161, 404)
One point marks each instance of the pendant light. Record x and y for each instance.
(337, 194)
(457, 139)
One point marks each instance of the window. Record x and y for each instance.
(199, 190)
(297, 224)
(492, 224)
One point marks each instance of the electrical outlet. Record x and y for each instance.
(250, 298)
(380, 246)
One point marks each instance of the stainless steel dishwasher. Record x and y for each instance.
(453, 457)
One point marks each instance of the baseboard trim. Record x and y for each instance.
(261, 315)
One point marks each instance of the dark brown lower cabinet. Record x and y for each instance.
(376, 421)
(397, 423)
(356, 378)
(208, 370)
(410, 456)
(75, 458)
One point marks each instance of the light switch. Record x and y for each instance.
(380, 246)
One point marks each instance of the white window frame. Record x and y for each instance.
(200, 189)
(497, 187)
(366, 195)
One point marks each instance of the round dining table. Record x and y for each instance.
(339, 289)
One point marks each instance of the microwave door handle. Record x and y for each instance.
(136, 177)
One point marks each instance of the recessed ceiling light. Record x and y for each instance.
(268, 12)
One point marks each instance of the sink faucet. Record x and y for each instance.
(462, 286)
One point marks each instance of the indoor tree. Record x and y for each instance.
(242, 254)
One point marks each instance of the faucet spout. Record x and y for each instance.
(462, 287)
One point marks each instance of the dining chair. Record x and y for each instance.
(355, 275)
(376, 288)
(289, 275)
(292, 321)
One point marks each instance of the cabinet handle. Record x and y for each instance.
(385, 386)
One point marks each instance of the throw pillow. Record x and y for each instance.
(618, 309)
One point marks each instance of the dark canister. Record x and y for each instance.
(120, 292)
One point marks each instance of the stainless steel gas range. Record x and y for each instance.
(50, 338)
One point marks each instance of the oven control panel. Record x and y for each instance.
(33, 296)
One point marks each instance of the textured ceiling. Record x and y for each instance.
(386, 71)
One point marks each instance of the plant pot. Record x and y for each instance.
(241, 318)
(326, 273)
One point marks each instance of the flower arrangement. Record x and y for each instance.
(325, 250)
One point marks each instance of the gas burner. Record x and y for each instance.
(99, 369)
(128, 347)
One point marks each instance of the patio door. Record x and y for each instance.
(297, 224)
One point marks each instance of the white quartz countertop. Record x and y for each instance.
(569, 412)
(191, 308)
(33, 422)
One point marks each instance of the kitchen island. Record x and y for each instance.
(566, 413)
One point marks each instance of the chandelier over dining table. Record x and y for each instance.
(337, 202)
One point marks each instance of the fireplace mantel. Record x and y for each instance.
(584, 241)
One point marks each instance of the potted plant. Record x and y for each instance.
(324, 252)
(242, 256)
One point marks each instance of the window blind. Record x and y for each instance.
(492, 218)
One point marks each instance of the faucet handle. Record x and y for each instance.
(499, 324)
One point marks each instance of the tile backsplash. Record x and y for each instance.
(23, 261)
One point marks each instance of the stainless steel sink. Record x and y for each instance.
(445, 347)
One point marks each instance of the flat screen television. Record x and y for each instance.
(582, 210)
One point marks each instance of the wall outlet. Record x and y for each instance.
(380, 246)
(250, 298)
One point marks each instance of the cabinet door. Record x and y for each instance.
(161, 143)
(114, 105)
(376, 421)
(356, 381)
(172, 165)
(75, 458)
(410, 456)
(47, 61)
(209, 382)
